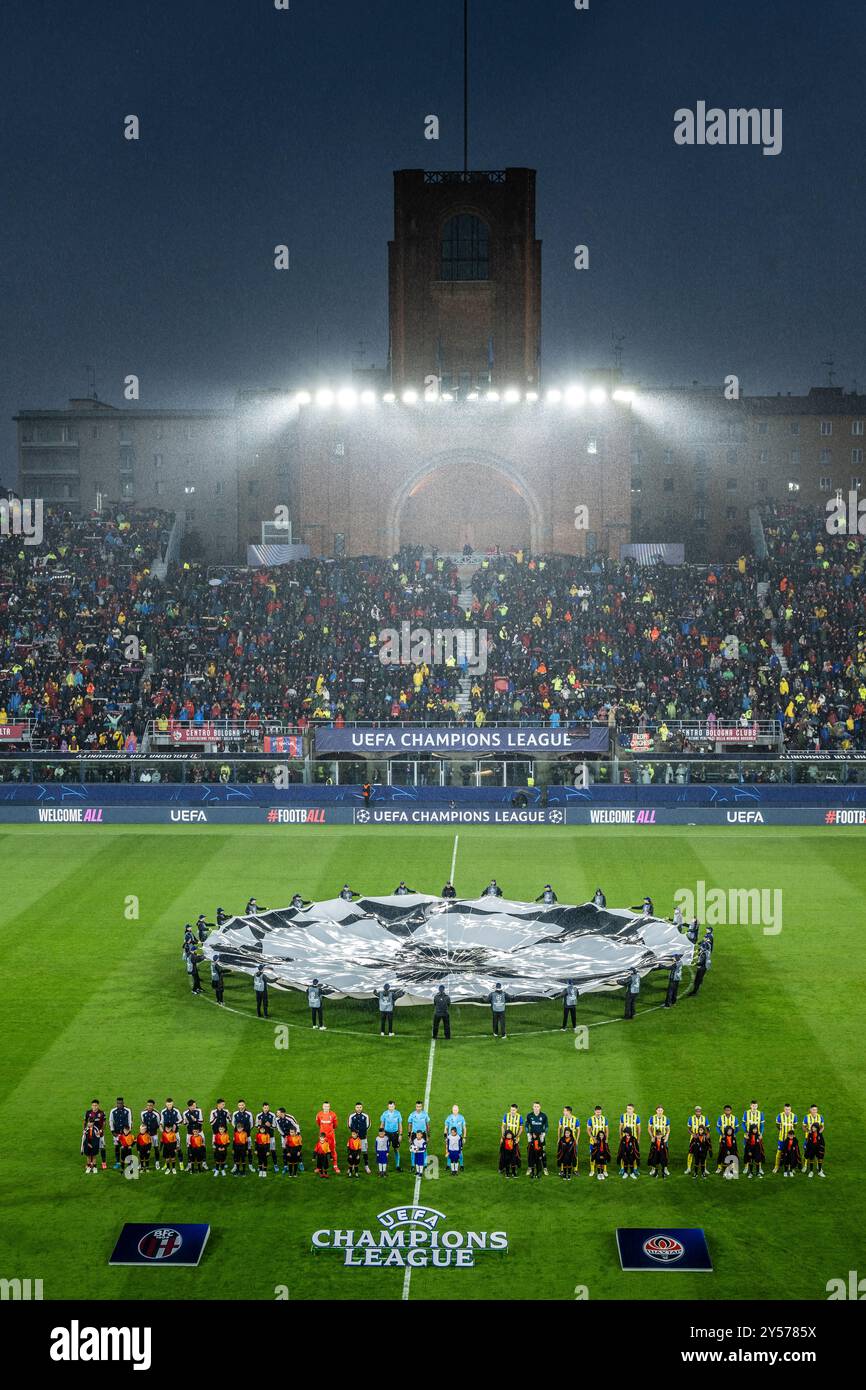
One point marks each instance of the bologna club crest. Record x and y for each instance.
(160, 1243)
(160, 1247)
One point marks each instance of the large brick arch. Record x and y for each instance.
(500, 470)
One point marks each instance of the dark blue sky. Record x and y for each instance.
(261, 126)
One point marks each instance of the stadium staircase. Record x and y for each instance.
(465, 571)
(762, 588)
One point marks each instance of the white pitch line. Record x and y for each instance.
(407, 1277)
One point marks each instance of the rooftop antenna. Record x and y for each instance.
(466, 86)
(829, 363)
(91, 383)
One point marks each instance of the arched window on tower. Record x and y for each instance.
(465, 248)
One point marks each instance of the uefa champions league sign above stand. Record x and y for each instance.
(418, 942)
(391, 740)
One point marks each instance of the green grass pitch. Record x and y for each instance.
(95, 1004)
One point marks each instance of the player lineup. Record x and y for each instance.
(240, 1142)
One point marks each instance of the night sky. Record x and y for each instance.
(261, 126)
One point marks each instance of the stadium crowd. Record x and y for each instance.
(567, 638)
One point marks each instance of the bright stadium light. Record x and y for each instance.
(472, 396)
(324, 397)
(447, 396)
(347, 398)
(410, 397)
(492, 396)
(303, 398)
(389, 398)
(368, 397)
(575, 395)
(512, 395)
(620, 394)
(598, 395)
(554, 396)
(531, 396)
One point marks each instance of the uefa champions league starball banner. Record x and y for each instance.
(392, 740)
(415, 943)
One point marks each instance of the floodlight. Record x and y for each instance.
(325, 397)
(410, 396)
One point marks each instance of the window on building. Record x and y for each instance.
(731, 484)
(731, 513)
(189, 489)
(126, 487)
(763, 456)
(825, 484)
(159, 431)
(667, 484)
(253, 487)
(826, 455)
(700, 512)
(762, 427)
(159, 487)
(856, 426)
(668, 458)
(793, 486)
(592, 444)
(826, 428)
(158, 460)
(856, 482)
(794, 458)
(95, 431)
(795, 426)
(218, 489)
(465, 249)
(856, 455)
(637, 484)
(732, 458)
(701, 458)
(190, 514)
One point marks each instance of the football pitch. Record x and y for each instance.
(97, 1003)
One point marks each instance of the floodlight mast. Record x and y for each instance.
(466, 86)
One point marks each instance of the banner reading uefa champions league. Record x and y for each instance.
(391, 740)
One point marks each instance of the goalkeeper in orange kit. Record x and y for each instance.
(327, 1124)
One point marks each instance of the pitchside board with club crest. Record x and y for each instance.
(160, 1245)
(664, 1247)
